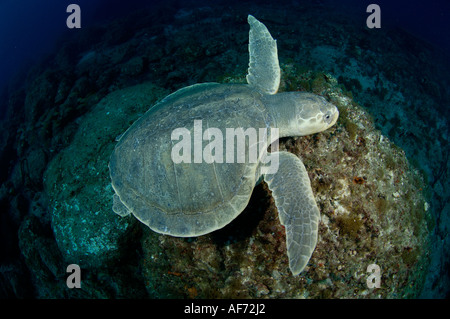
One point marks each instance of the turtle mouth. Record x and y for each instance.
(335, 118)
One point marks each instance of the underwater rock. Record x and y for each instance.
(43, 258)
(354, 171)
(63, 90)
(40, 95)
(133, 67)
(361, 224)
(38, 207)
(86, 230)
(18, 207)
(13, 283)
(33, 167)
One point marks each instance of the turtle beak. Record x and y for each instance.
(335, 118)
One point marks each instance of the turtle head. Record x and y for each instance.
(313, 113)
(301, 113)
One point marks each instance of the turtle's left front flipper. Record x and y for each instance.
(297, 209)
(263, 67)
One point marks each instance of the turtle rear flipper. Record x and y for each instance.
(119, 208)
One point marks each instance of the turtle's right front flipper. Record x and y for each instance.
(297, 209)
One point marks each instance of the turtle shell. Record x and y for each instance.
(188, 198)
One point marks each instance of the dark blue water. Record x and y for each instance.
(31, 32)
(29, 29)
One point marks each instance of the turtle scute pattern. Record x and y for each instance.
(186, 199)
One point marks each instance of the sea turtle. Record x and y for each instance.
(194, 194)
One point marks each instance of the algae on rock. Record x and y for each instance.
(77, 180)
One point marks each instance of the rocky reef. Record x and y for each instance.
(373, 211)
(378, 202)
(372, 204)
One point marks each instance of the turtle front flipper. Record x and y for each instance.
(263, 67)
(297, 209)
